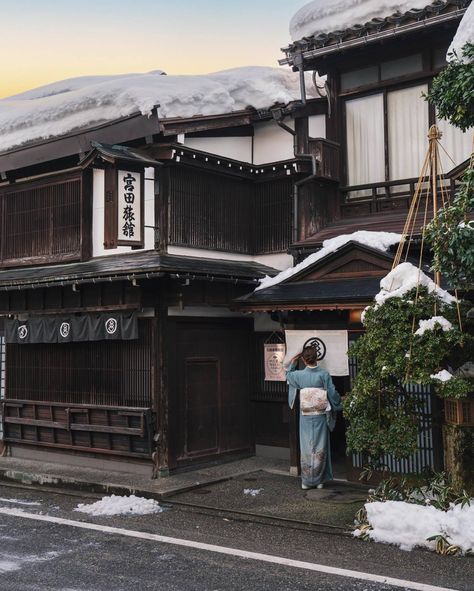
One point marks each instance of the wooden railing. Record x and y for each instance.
(327, 154)
(384, 196)
(111, 430)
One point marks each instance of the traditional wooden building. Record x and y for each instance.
(129, 327)
(123, 246)
(377, 120)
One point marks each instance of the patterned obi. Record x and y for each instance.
(314, 401)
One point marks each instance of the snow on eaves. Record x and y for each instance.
(322, 16)
(62, 107)
(464, 34)
(378, 240)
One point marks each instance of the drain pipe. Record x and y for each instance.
(298, 184)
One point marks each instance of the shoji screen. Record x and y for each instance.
(408, 128)
(365, 140)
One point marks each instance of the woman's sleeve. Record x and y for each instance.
(292, 382)
(333, 394)
(291, 374)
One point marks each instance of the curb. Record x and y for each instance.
(66, 483)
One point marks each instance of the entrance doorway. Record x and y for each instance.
(209, 384)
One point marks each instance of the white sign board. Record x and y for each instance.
(274, 355)
(332, 346)
(129, 207)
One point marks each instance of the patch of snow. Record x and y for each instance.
(253, 492)
(442, 376)
(464, 34)
(322, 16)
(432, 324)
(8, 566)
(406, 277)
(408, 525)
(378, 240)
(118, 505)
(65, 106)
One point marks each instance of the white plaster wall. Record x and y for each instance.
(98, 214)
(278, 261)
(263, 323)
(271, 143)
(317, 126)
(238, 148)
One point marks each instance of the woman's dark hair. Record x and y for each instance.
(310, 355)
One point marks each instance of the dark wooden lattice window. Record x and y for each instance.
(115, 373)
(41, 221)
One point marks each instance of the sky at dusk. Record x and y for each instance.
(47, 40)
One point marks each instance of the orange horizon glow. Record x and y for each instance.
(49, 41)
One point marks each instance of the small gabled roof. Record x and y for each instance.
(346, 278)
(114, 153)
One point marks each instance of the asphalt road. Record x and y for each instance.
(47, 556)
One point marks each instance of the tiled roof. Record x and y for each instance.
(132, 266)
(433, 13)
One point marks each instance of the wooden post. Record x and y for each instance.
(161, 454)
(434, 135)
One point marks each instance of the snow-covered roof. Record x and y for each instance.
(464, 34)
(323, 16)
(378, 240)
(62, 107)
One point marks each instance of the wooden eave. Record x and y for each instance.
(78, 143)
(133, 266)
(178, 154)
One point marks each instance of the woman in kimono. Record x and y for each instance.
(319, 402)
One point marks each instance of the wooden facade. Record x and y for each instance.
(191, 388)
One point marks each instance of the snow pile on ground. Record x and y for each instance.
(378, 240)
(442, 376)
(432, 324)
(406, 277)
(408, 525)
(253, 492)
(117, 505)
(65, 106)
(464, 34)
(322, 16)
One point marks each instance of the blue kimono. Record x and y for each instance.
(315, 449)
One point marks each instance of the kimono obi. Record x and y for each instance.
(314, 401)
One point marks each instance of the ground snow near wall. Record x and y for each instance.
(323, 16)
(408, 525)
